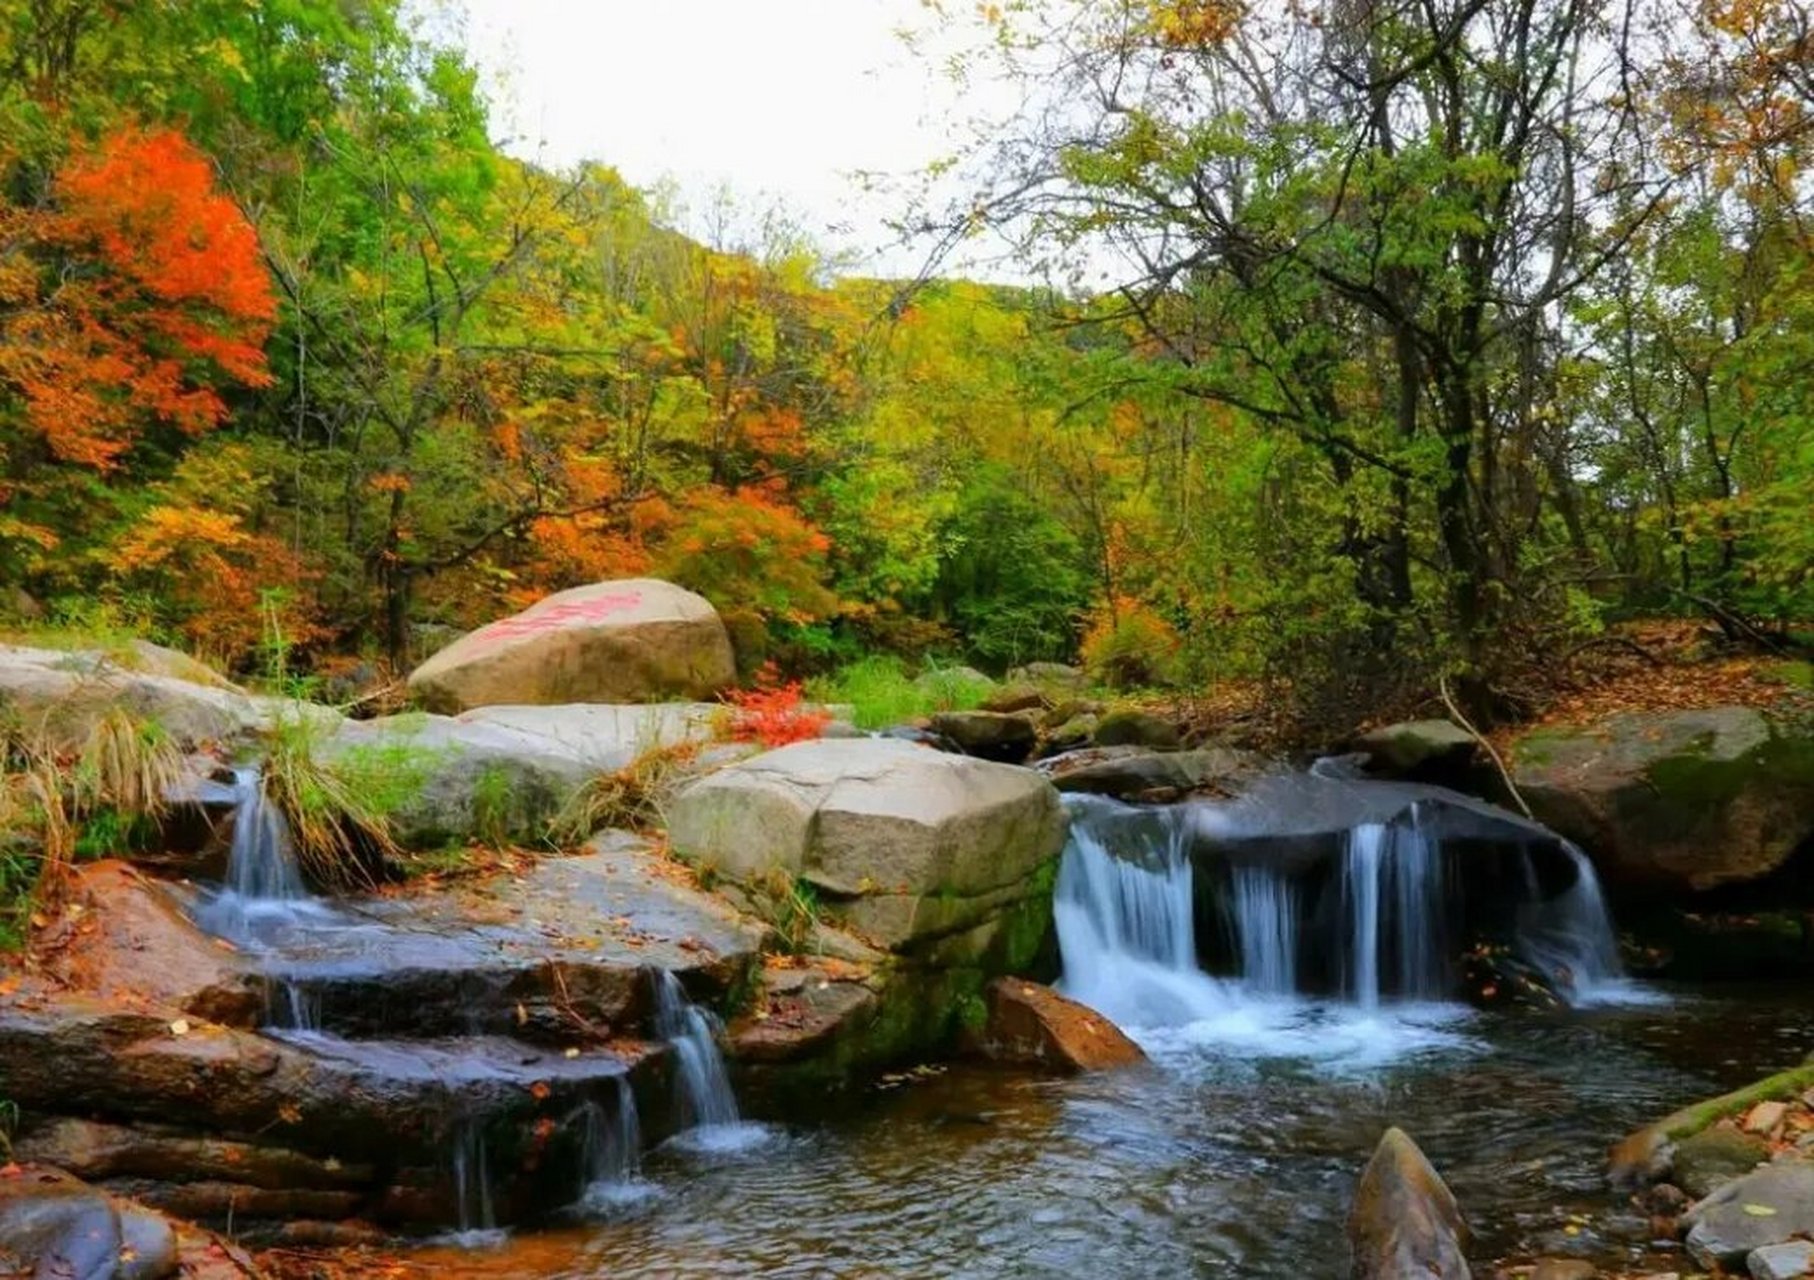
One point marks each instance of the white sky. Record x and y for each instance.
(778, 101)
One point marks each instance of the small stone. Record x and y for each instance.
(1715, 1156)
(1769, 1206)
(1765, 1116)
(1781, 1261)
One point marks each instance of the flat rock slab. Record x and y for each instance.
(1771, 1206)
(394, 1106)
(561, 953)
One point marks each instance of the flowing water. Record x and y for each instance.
(707, 1106)
(1233, 1152)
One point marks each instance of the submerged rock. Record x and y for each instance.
(638, 640)
(904, 846)
(1031, 1025)
(1679, 800)
(1770, 1206)
(1405, 1224)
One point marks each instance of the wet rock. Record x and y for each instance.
(1674, 801)
(901, 845)
(1716, 1156)
(1429, 750)
(215, 1201)
(1781, 1261)
(97, 1152)
(1769, 1206)
(1134, 772)
(55, 1228)
(1135, 728)
(1071, 734)
(637, 640)
(988, 735)
(382, 1103)
(1405, 1223)
(559, 954)
(125, 937)
(1031, 1025)
(800, 1016)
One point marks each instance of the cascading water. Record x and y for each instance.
(1265, 918)
(1123, 910)
(611, 1153)
(472, 1183)
(1326, 886)
(708, 1108)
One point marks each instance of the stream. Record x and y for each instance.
(1234, 1151)
(1208, 1162)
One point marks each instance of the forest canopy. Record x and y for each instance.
(1397, 343)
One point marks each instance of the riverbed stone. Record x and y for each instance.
(52, 1226)
(1769, 1206)
(1679, 800)
(1031, 1025)
(630, 641)
(1405, 1222)
(904, 844)
(1714, 1157)
(61, 694)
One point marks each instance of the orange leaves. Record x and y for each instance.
(771, 713)
(129, 298)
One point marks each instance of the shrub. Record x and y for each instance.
(1128, 645)
(771, 713)
(632, 798)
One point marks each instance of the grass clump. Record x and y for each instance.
(338, 808)
(631, 798)
(789, 905)
(64, 798)
(882, 693)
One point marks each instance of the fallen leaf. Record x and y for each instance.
(180, 1027)
(1760, 1211)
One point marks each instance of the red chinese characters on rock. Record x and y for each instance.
(557, 616)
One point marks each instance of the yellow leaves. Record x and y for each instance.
(1189, 23)
(166, 532)
(389, 482)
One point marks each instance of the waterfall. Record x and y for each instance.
(261, 864)
(1394, 906)
(1125, 927)
(264, 880)
(1571, 937)
(1265, 911)
(708, 1108)
(611, 1153)
(472, 1182)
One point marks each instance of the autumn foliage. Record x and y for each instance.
(771, 713)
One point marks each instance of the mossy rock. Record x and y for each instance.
(1716, 1156)
(1681, 800)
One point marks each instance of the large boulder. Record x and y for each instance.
(988, 735)
(1136, 773)
(1678, 800)
(59, 695)
(903, 845)
(1429, 749)
(638, 640)
(1405, 1223)
(501, 773)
